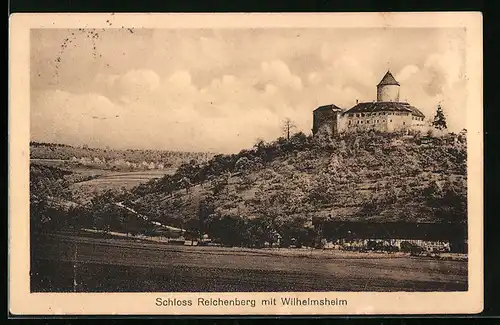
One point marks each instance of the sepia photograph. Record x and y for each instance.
(250, 159)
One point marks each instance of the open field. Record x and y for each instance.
(113, 265)
(124, 179)
(84, 191)
(50, 162)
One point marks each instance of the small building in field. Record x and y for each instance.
(386, 114)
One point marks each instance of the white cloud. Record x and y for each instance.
(74, 118)
(128, 87)
(271, 89)
(314, 78)
(180, 79)
(439, 81)
(278, 72)
(406, 72)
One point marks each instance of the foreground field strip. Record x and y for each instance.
(127, 243)
(396, 273)
(282, 277)
(89, 253)
(131, 243)
(96, 278)
(203, 250)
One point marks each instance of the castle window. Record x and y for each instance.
(357, 115)
(349, 122)
(362, 114)
(361, 122)
(390, 120)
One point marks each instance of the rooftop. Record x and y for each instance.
(331, 106)
(388, 79)
(369, 107)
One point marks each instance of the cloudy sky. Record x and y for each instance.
(220, 90)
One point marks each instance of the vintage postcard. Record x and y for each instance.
(250, 164)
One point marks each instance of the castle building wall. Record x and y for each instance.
(388, 93)
(355, 122)
(377, 121)
(335, 123)
(325, 121)
(399, 121)
(418, 123)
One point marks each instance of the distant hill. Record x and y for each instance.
(149, 159)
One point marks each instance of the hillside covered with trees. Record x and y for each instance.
(277, 188)
(284, 184)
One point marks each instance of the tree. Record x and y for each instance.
(439, 119)
(448, 201)
(288, 126)
(185, 182)
(205, 210)
(219, 184)
(462, 136)
(242, 164)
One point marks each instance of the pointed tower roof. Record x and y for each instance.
(388, 79)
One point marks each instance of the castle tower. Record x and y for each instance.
(388, 89)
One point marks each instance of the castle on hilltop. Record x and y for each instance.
(387, 114)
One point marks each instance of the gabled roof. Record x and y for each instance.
(331, 106)
(416, 111)
(388, 79)
(384, 107)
